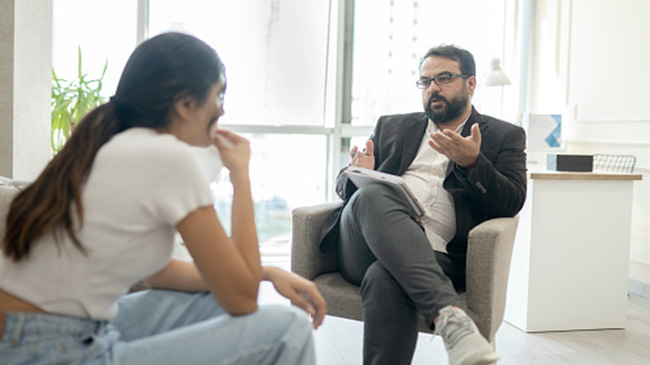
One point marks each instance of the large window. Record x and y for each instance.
(297, 88)
(104, 31)
(286, 172)
(275, 52)
(390, 37)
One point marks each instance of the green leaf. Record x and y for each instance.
(79, 60)
(71, 100)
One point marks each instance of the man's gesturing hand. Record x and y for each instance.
(365, 158)
(459, 149)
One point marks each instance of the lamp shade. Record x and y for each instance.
(496, 76)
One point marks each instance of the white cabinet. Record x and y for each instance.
(570, 262)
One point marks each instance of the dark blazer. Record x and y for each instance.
(496, 187)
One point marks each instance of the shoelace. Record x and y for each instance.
(453, 328)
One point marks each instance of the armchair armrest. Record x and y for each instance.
(306, 258)
(489, 252)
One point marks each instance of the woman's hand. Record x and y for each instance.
(300, 291)
(235, 150)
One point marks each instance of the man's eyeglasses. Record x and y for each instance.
(442, 78)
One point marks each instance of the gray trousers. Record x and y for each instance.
(387, 253)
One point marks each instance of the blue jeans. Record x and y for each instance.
(161, 327)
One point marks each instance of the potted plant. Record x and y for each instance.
(71, 101)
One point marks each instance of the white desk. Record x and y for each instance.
(570, 262)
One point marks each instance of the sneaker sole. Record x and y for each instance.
(484, 360)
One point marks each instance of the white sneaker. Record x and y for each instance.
(465, 344)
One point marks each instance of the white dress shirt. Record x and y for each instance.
(424, 177)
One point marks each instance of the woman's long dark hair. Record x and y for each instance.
(159, 70)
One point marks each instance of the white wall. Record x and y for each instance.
(592, 64)
(25, 77)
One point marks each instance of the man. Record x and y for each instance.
(464, 168)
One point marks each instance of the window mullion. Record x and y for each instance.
(142, 24)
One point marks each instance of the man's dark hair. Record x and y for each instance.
(455, 53)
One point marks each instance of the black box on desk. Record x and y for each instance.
(579, 163)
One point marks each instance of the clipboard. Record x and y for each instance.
(361, 177)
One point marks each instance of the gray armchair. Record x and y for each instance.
(488, 264)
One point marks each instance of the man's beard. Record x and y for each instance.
(451, 111)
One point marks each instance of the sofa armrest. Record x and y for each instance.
(8, 191)
(489, 251)
(306, 258)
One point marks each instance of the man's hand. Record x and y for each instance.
(300, 291)
(457, 148)
(365, 158)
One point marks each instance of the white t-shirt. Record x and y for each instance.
(424, 177)
(141, 185)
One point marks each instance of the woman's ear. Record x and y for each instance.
(184, 106)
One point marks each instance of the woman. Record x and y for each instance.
(103, 215)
